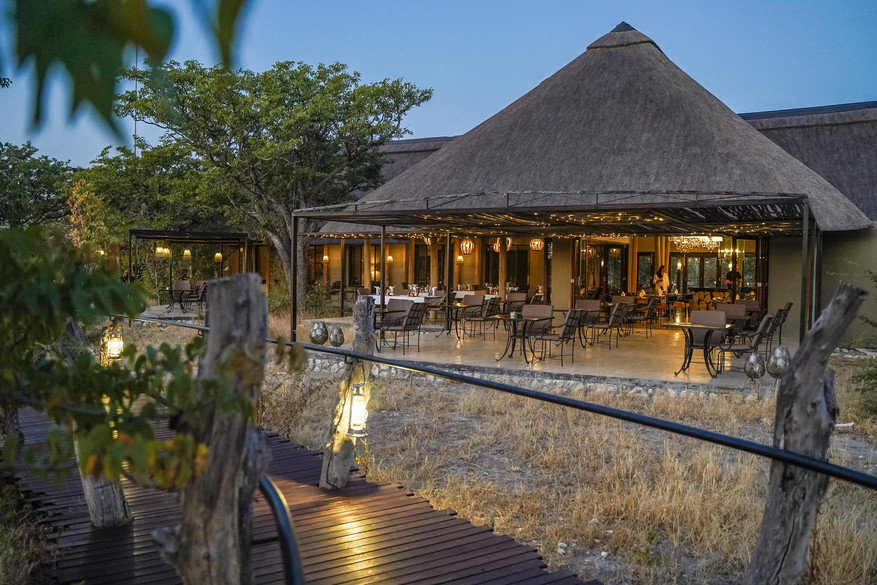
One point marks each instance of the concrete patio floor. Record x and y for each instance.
(654, 359)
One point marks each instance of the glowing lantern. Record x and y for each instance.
(497, 246)
(467, 246)
(187, 254)
(460, 259)
(428, 240)
(217, 257)
(358, 413)
(325, 257)
(389, 259)
(537, 244)
(111, 344)
(508, 244)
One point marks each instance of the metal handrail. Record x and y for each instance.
(289, 549)
(769, 452)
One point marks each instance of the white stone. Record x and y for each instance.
(604, 554)
(683, 394)
(562, 545)
(672, 393)
(610, 532)
(713, 396)
(597, 540)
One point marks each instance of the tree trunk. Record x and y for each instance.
(211, 544)
(338, 452)
(106, 501)
(9, 423)
(805, 418)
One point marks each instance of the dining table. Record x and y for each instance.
(517, 327)
(453, 310)
(688, 329)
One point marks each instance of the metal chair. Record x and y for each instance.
(613, 323)
(786, 310)
(644, 315)
(397, 310)
(515, 302)
(746, 343)
(412, 321)
(488, 308)
(566, 334)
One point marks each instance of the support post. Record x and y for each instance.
(449, 264)
(339, 449)
(503, 269)
(734, 269)
(805, 266)
(343, 276)
(293, 285)
(212, 543)
(805, 418)
(816, 303)
(383, 267)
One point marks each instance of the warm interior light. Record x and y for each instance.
(459, 259)
(508, 243)
(187, 254)
(467, 246)
(101, 252)
(679, 265)
(217, 257)
(497, 246)
(115, 345)
(325, 257)
(358, 412)
(389, 259)
(537, 244)
(162, 252)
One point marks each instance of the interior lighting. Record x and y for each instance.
(460, 259)
(537, 244)
(217, 257)
(467, 246)
(389, 259)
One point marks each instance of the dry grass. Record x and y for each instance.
(23, 547)
(664, 509)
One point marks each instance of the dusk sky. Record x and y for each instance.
(481, 56)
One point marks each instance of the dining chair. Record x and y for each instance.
(566, 333)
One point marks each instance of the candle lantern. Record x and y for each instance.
(111, 344)
(358, 412)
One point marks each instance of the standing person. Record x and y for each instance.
(733, 277)
(661, 281)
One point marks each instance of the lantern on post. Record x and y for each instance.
(467, 246)
(358, 412)
(537, 244)
(111, 344)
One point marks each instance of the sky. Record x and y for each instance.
(480, 56)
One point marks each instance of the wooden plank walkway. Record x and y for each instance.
(365, 533)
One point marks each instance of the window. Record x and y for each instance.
(644, 270)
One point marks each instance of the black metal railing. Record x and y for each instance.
(289, 548)
(767, 451)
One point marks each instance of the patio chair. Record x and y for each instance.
(434, 303)
(771, 331)
(786, 310)
(397, 311)
(198, 295)
(474, 307)
(362, 291)
(180, 288)
(746, 343)
(515, 302)
(411, 322)
(708, 340)
(613, 323)
(644, 315)
(537, 299)
(735, 313)
(488, 307)
(335, 289)
(565, 335)
(621, 299)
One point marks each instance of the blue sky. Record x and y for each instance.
(480, 56)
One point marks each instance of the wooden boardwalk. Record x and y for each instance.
(365, 533)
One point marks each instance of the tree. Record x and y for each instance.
(88, 39)
(47, 285)
(33, 189)
(291, 137)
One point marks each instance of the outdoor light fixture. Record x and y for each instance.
(162, 252)
(217, 257)
(428, 240)
(688, 243)
(508, 244)
(467, 246)
(679, 265)
(325, 257)
(101, 252)
(460, 259)
(537, 244)
(111, 344)
(389, 259)
(497, 246)
(358, 413)
(187, 254)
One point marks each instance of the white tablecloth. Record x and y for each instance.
(377, 299)
(459, 294)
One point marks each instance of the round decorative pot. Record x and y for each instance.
(336, 337)
(319, 333)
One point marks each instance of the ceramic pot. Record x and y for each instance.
(754, 366)
(319, 333)
(336, 337)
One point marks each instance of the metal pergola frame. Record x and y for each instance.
(626, 214)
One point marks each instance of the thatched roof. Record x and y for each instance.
(838, 142)
(620, 127)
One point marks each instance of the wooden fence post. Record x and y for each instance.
(805, 417)
(338, 451)
(212, 542)
(105, 499)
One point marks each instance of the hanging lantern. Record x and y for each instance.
(537, 244)
(427, 240)
(467, 246)
(497, 246)
(217, 257)
(187, 254)
(358, 413)
(111, 344)
(508, 244)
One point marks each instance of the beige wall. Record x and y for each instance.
(842, 252)
(784, 281)
(537, 269)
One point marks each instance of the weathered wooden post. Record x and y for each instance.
(105, 499)
(338, 451)
(805, 418)
(212, 542)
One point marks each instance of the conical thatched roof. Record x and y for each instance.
(621, 119)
